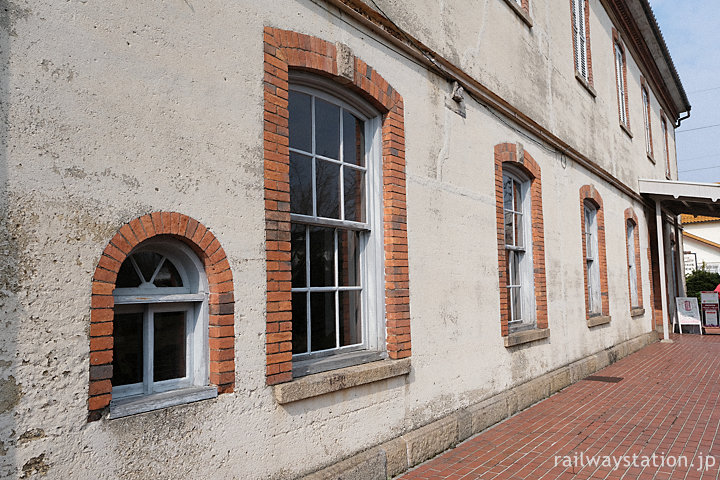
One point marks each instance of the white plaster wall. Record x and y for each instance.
(113, 110)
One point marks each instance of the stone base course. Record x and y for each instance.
(399, 454)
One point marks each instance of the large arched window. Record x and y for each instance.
(335, 222)
(160, 324)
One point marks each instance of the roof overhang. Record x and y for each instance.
(684, 197)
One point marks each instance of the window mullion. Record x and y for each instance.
(308, 320)
(137, 269)
(148, 357)
(336, 293)
(157, 269)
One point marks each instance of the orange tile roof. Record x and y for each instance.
(697, 219)
(701, 240)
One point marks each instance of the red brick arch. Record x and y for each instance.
(221, 302)
(512, 154)
(284, 51)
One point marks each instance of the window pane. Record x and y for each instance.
(519, 232)
(514, 266)
(348, 260)
(300, 121)
(297, 255)
(327, 129)
(350, 318)
(509, 229)
(327, 177)
(517, 304)
(168, 276)
(353, 139)
(127, 276)
(517, 196)
(299, 322)
(147, 262)
(301, 200)
(322, 257)
(169, 349)
(322, 315)
(127, 348)
(354, 190)
(507, 193)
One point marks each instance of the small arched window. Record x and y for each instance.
(160, 322)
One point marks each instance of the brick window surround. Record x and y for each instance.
(588, 54)
(626, 106)
(221, 303)
(589, 193)
(285, 50)
(510, 153)
(630, 215)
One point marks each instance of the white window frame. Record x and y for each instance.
(632, 267)
(192, 298)
(524, 250)
(592, 260)
(371, 244)
(646, 117)
(620, 82)
(580, 39)
(666, 150)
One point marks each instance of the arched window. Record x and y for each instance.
(160, 324)
(335, 222)
(518, 248)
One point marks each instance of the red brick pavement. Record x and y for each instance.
(668, 404)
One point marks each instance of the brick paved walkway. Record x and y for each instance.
(667, 404)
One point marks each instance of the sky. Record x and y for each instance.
(690, 28)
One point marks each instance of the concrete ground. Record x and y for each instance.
(659, 422)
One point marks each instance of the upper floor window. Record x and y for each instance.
(581, 45)
(666, 149)
(160, 332)
(336, 232)
(518, 249)
(621, 82)
(646, 119)
(592, 263)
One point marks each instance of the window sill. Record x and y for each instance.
(334, 362)
(526, 336)
(146, 403)
(583, 81)
(521, 12)
(597, 320)
(636, 312)
(333, 381)
(626, 129)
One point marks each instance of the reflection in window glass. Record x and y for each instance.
(169, 355)
(127, 349)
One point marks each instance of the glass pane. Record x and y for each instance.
(168, 276)
(353, 139)
(169, 349)
(299, 322)
(519, 233)
(350, 318)
(301, 200)
(517, 196)
(327, 129)
(517, 305)
(354, 190)
(322, 318)
(127, 348)
(507, 193)
(514, 261)
(322, 257)
(300, 121)
(297, 255)
(127, 276)
(327, 189)
(348, 258)
(147, 262)
(509, 229)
